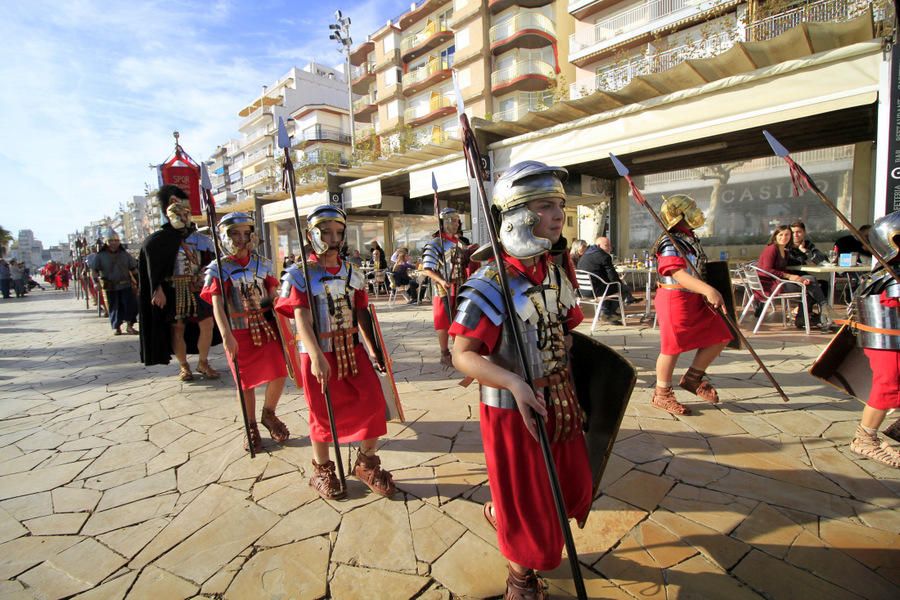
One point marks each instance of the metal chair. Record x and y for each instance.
(586, 294)
(396, 289)
(379, 280)
(754, 287)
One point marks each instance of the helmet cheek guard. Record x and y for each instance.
(318, 216)
(884, 236)
(231, 221)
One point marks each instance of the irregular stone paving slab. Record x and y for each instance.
(62, 524)
(872, 547)
(471, 568)
(297, 570)
(609, 520)
(25, 462)
(153, 582)
(719, 548)
(153, 485)
(114, 589)
(212, 547)
(641, 489)
(776, 580)
(73, 570)
(633, 569)
(433, 532)
(356, 583)
(128, 541)
(378, 536)
(39, 480)
(844, 472)
(129, 514)
(311, 520)
(699, 578)
(10, 528)
(560, 585)
(29, 507)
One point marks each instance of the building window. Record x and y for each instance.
(461, 39)
(393, 109)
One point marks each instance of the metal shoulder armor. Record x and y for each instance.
(292, 278)
(212, 272)
(432, 255)
(481, 295)
(264, 266)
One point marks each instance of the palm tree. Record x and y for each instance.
(5, 238)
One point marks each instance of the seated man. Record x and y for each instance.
(597, 259)
(803, 252)
(849, 243)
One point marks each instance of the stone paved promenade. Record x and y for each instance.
(119, 481)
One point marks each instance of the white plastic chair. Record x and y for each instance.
(586, 294)
(751, 276)
(396, 289)
(379, 280)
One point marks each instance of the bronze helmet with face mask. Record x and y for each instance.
(229, 222)
(318, 216)
(681, 207)
(175, 204)
(520, 184)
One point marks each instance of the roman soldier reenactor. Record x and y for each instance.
(174, 318)
(683, 308)
(116, 270)
(877, 324)
(250, 335)
(529, 198)
(333, 357)
(445, 260)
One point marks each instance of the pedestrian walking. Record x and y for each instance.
(116, 270)
(5, 277)
(17, 275)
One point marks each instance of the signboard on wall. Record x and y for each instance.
(892, 200)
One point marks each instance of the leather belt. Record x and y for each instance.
(867, 328)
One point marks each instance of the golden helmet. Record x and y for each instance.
(681, 207)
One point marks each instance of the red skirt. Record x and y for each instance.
(528, 531)
(885, 365)
(686, 322)
(259, 364)
(358, 402)
(442, 319)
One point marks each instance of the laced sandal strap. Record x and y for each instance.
(873, 448)
(277, 429)
(666, 401)
(368, 470)
(692, 381)
(325, 482)
(255, 438)
(184, 373)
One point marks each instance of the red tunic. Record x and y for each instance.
(686, 321)
(357, 401)
(528, 530)
(258, 364)
(885, 365)
(439, 311)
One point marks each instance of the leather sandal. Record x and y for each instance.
(693, 382)
(184, 374)
(527, 586)
(278, 431)
(664, 399)
(205, 369)
(446, 359)
(488, 512)
(255, 439)
(869, 445)
(368, 470)
(325, 482)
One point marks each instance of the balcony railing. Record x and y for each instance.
(323, 132)
(367, 68)
(436, 136)
(256, 156)
(435, 104)
(325, 157)
(426, 71)
(256, 114)
(525, 103)
(640, 15)
(411, 41)
(257, 178)
(362, 103)
(521, 68)
(523, 20)
(812, 12)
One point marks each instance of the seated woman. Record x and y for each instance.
(400, 271)
(773, 260)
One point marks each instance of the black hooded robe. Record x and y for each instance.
(155, 265)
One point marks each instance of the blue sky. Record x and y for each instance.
(91, 90)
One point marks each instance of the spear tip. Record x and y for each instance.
(284, 140)
(619, 165)
(434, 184)
(777, 147)
(204, 177)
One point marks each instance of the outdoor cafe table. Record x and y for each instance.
(648, 289)
(830, 270)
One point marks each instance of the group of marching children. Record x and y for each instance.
(327, 302)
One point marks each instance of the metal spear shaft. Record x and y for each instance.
(284, 142)
(639, 198)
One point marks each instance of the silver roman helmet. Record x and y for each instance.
(111, 234)
(885, 236)
(520, 184)
(232, 220)
(319, 215)
(451, 215)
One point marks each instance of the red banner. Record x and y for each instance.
(181, 170)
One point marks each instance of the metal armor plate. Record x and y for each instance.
(844, 365)
(394, 410)
(871, 312)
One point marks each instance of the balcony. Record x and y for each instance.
(391, 59)
(523, 75)
(253, 117)
(257, 156)
(815, 12)
(436, 135)
(496, 6)
(437, 107)
(417, 44)
(525, 103)
(435, 70)
(364, 107)
(325, 157)
(524, 30)
(361, 77)
(359, 54)
(637, 21)
(257, 178)
(585, 8)
(324, 133)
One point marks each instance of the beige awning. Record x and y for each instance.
(829, 81)
(450, 176)
(284, 209)
(360, 195)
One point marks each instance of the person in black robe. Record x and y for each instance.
(163, 315)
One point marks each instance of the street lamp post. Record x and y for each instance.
(340, 32)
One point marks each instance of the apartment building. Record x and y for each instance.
(255, 156)
(321, 140)
(509, 56)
